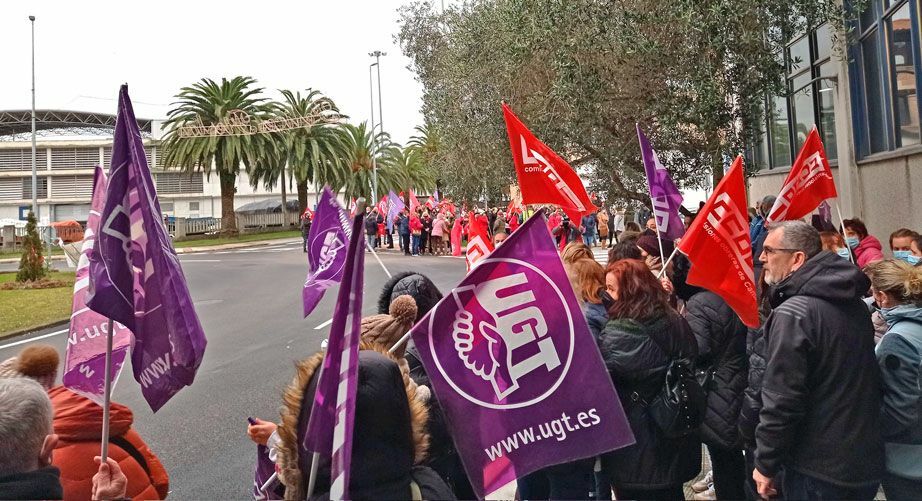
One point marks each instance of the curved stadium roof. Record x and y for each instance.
(18, 122)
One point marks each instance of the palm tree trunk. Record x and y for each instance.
(284, 200)
(301, 187)
(228, 218)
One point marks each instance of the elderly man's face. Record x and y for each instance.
(779, 262)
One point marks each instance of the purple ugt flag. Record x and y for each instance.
(394, 206)
(85, 361)
(329, 429)
(326, 252)
(135, 276)
(664, 195)
(514, 367)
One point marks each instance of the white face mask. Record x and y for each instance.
(844, 253)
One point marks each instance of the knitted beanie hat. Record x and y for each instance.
(382, 331)
(39, 362)
(649, 244)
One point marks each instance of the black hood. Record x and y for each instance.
(825, 276)
(423, 290)
(43, 483)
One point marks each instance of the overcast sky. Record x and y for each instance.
(85, 50)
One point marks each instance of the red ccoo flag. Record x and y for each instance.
(807, 185)
(478, 240)
(544, 177)
(414, 202)
(718, 246)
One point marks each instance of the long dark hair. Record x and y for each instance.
(640, 295)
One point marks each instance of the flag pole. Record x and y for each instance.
(360, 208)
(842, 222)
(399, 343)
(375, 254)
(663, 271)
(312, 480)
(104, 454)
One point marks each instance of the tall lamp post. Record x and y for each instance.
(34, 171)
(374, 166)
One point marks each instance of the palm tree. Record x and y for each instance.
(407, 168)
(428, 143)
(357, 148)
(206, 103)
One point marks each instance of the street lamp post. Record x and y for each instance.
(34, 171)
(374, 164)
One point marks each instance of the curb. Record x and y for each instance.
(16, 259)
(20, 332)
(239, 245)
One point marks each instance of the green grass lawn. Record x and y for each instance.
(250, 237)
(24, 309)
(55, 251)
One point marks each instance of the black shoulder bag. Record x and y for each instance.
(678, 409)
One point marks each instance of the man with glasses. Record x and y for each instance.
(820, 391)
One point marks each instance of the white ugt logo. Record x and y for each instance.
(331, 246)
(510, 326)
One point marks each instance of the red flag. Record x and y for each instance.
(478, 240)
(718, 246)
(307, 213)
(352, 208)
(414, 202)
(544, 177)
(382, 207)
(808, 183)
(431, 203)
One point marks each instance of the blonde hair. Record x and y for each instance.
(587, 278)
(575, 251)
(897, 278)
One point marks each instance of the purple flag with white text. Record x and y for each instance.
(514, 367)
(135, 275)
(394, 206)
(84, 363)
(326, 249)
(333, 410)
(664, 195)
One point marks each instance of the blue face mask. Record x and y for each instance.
(902, 255)
(913, 260)
(852, 242)
(844, 253)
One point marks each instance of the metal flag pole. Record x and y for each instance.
(399, 343)
(663, 271)
(108, 394)
(842, 222)
(359, 209)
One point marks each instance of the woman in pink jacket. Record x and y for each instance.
(866, 248)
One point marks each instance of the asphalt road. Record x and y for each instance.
(249, 303)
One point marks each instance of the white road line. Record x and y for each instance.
(201, 260)
(321, 326)
(24, 341)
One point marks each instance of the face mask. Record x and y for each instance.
(902, 255)
(913, 260)
(844, 253)
(852, 242)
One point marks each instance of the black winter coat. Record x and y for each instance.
(752, 395)
(821, 390)
(638, 366)
(721, 338)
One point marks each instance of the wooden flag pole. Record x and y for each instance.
(851, 257)
(104, 454)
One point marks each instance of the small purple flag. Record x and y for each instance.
(664, 195)
(326, 251)
(135, 275)
(265, 468)
(394, 206)
(329, 430)
(514, 367)
(84, 363)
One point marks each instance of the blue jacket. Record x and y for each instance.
(589, 224)
(403, 225)
(596, 317)
(899, 356)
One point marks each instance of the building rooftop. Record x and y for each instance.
(16, 123)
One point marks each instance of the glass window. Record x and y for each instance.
(874, 102)
(903, 78)
(781, 142)
(870, 14)
(804, 120)
(823, 42)
(825, 94)
(799, 55)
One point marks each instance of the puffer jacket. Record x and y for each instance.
(78, 424)
(370, 223)
(821, 388)
(389, 441)
(638, 366)
(721, 338)
(868, 251)
(899, 356)
(596, 318)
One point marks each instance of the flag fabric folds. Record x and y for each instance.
(394, 206)
(511, 360)
(808, 183)
(718, 246)
(544, 177)
(478, 240)
(329, 429)
(84, 362)
(135, 275)
(326, 249)
(664, 195)
(414, 202)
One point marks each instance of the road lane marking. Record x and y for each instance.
(24, 341)
(321, 326)
(201, 260)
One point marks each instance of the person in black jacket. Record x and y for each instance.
(721, 338)
(371, 226)
(641, 321)
(821, 390)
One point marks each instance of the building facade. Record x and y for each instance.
(862, 97)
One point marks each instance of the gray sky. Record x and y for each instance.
(85, 50)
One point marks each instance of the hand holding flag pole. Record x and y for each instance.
(104, 453)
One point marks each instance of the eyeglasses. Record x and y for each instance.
(771, 250)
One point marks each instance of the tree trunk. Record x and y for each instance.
(228, 218)
(284, 201)
(301, 187)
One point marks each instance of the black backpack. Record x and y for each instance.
(678, 409)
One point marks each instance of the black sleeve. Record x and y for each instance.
(700, 318)
(784, 388)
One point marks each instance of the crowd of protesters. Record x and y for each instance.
(822, 400)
